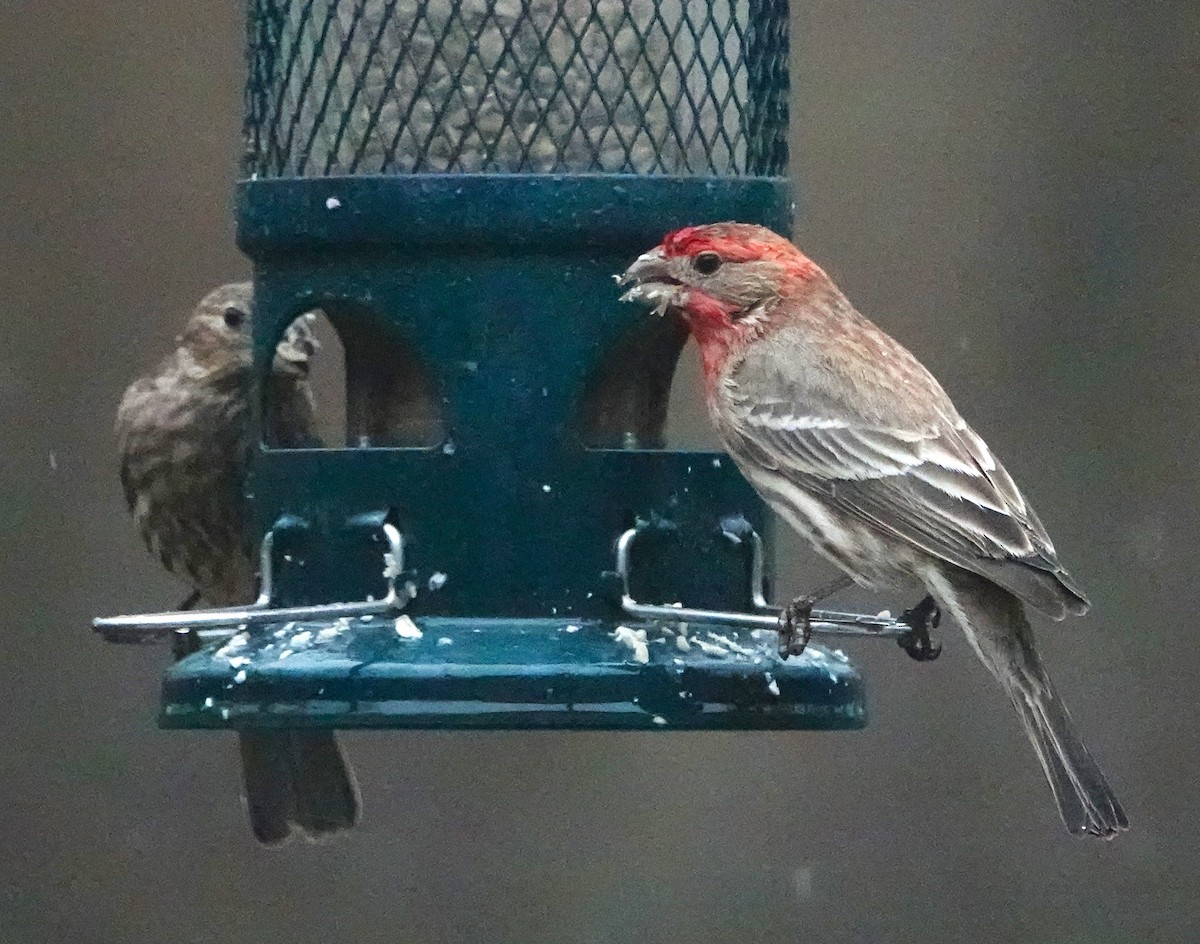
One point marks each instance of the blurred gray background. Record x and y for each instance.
(1008, 186)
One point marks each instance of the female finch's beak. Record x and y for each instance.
(290, 363)
(295, 350)
(652, 282)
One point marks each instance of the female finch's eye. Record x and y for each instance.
(707, 263)
(234, 317)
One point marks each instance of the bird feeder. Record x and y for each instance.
(454, 185)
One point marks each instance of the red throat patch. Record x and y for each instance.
(716, 333)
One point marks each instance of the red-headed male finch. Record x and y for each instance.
(185, 440)
(856, 446)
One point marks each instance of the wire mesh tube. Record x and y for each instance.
(517, 86)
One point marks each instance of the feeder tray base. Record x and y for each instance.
(508, 674)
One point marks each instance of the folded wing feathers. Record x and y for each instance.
(940, 486)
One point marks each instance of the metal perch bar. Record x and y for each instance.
(823, 623)
(221, 622)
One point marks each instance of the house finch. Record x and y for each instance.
(185, 439)
(856, 446)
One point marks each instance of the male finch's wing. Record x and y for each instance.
(936, 486)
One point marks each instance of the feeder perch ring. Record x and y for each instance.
(823, 623)
(222, 622)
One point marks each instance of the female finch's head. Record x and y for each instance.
(218, 335)
(219, 328)
(722, 277)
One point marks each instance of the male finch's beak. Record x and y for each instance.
(652, 282)
(645, 267)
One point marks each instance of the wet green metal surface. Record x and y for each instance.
(508, 674)
(502, 288)
(427, 214)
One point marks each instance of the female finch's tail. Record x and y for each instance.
(297, 781)
(995, 624)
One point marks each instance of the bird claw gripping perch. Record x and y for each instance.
(921, 619)
(795, 626)
(799, 612)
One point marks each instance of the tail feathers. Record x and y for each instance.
(995, 624)
(1085, 800)
(297, 782)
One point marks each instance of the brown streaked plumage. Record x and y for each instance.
(857, 447)
(184, 438)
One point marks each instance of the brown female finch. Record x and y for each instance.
(185, 439)
(856, 446)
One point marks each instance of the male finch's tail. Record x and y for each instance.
(995, 624)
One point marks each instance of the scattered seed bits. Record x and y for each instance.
(635, 641)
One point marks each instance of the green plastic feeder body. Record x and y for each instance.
(505, 412)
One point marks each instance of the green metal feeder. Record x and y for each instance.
(455, 185)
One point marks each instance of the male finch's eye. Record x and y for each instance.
(707, 263)
(234, 317)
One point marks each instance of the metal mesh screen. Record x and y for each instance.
(517, 86)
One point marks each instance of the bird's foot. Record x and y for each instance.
(795, 619)
(921, 619)
(795, 626)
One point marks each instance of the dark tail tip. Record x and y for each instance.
(297, 783)
(327, 796)
(1107, 818)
